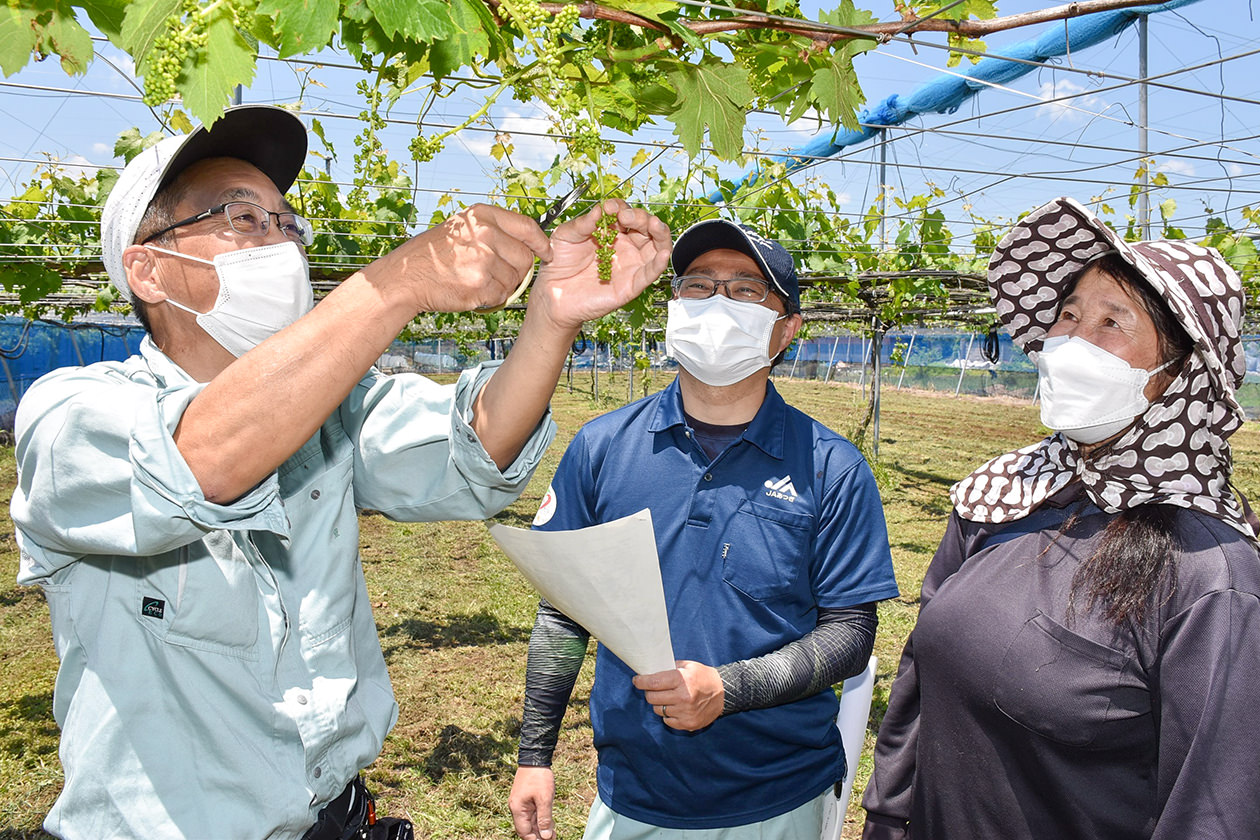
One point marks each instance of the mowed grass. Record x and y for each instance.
(454, 618)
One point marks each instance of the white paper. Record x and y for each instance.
(607, 578)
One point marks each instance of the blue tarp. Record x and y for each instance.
(29, 349)
(947, 92)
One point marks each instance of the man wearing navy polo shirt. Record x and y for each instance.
(773, 552)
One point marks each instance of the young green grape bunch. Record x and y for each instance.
(184, 34)
(605, 236)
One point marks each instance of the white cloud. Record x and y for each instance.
(1080, 107)
(528, 149)
(1175, 167)
(121, 64)
(76, 165)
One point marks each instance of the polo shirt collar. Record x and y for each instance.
(766, 430)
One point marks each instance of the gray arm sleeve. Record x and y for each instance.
(837, 648)
(557, 647)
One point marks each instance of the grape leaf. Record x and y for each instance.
(107, 16)
(17, 38)
(714, 96)
(846, 14)
(145, 21)
(206, 84)
(179, 121)
(838, 92)
(652, 9)
(302, 26)
(64, 37)
(130, 143)
(46, 27)
(471, 21)
(979, 9)
(30, 282)
(420, 20)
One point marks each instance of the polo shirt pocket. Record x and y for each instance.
(1070, 689)
(764, 549)
(203, 596)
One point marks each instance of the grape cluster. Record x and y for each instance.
(605, 236)
(565, 19)
(424, 149)
(529, 15)
(545, 36)
(171, 48)
(584, 139)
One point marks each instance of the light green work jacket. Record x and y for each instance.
(221, 675)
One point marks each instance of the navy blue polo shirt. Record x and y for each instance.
(785, 520)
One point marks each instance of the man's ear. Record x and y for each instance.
(791, 325)
(142, 274)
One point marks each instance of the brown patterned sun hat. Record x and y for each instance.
(1177, 452)
(1038, 260)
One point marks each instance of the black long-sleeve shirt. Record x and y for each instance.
(1008, 720)
(837, 648)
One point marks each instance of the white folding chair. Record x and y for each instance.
(855, 711)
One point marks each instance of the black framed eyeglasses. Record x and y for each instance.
(700, 286)
(248, 219)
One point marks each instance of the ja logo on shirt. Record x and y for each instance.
(781, 488)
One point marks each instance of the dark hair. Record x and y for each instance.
(790, 306)
(159, 214)
(1139, 546)
(1135, 556)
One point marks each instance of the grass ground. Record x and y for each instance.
(454, 619)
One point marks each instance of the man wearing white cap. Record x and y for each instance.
(773, 552)
(191, 512)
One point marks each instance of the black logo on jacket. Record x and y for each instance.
(152, 607)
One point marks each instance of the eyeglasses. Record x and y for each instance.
(248, 219)
(699, 287)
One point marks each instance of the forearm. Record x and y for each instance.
(512, 403)
(837, 648)
(557, 648)
(262, 407)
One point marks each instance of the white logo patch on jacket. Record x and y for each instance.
(547, 509)
(781, 488)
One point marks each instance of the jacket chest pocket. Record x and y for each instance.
(764, 550)
(203, 596)
(1070, 689)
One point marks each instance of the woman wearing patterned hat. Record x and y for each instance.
(1086, 663)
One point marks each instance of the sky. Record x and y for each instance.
(991, 161)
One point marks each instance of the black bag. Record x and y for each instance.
(388, 828)
(352, 816)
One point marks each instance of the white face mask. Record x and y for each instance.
(718, 340)
(1087, 393)
(261, 291)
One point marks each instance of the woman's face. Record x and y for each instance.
(1100, 311)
